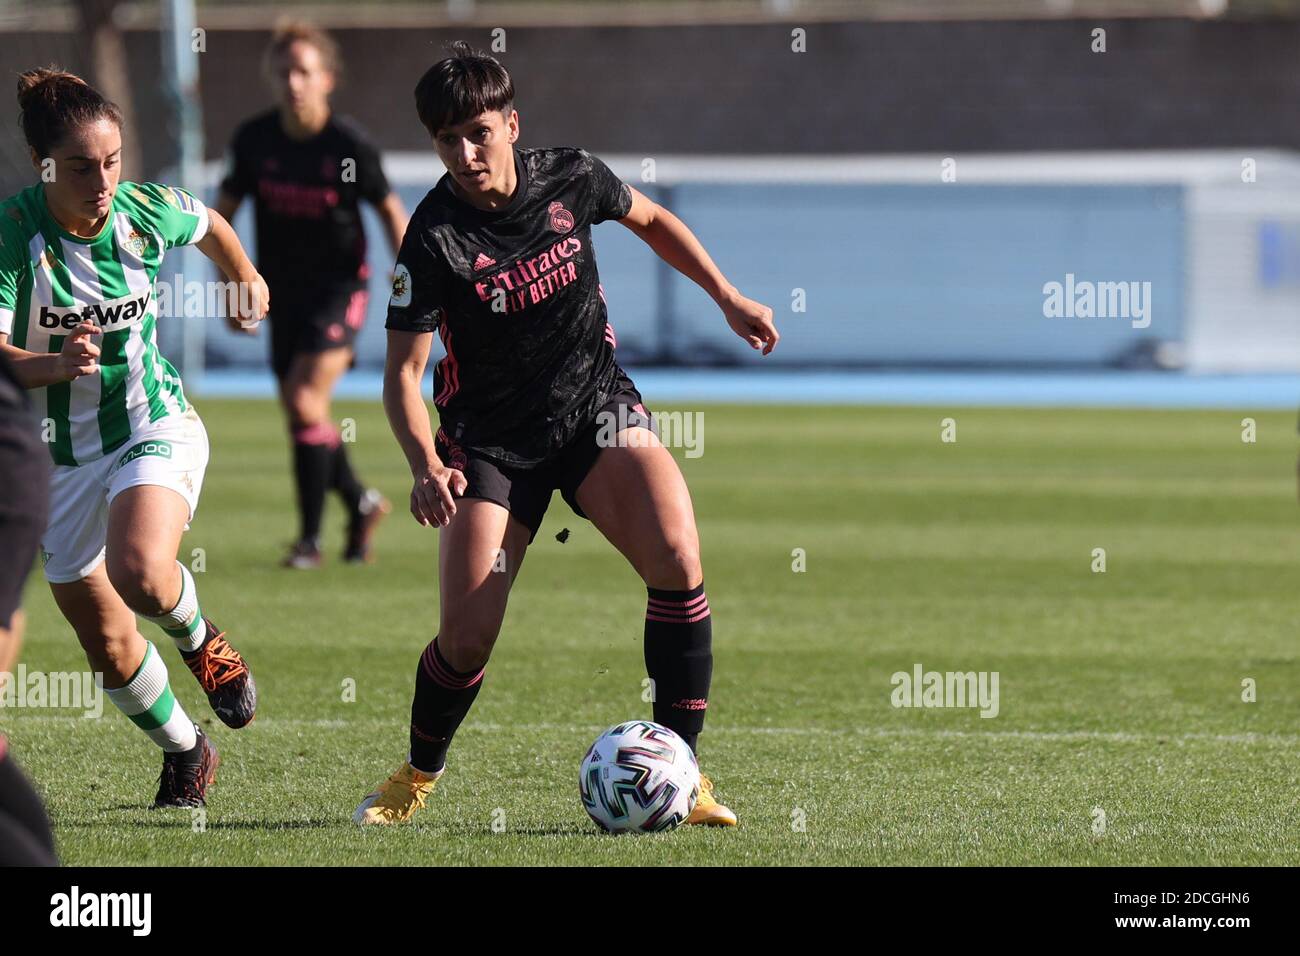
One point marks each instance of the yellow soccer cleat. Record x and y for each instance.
(708, 812)
(397, 798)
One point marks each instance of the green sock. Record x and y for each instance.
(147, 699)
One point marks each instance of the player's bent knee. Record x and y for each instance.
(148, 585)
(111, 649)
(467, 647)
(303, 415)
(305, 407)
(675, 567)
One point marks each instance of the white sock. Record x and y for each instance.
(427, 773)
(147, 699)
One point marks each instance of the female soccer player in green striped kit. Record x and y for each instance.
(79, 256)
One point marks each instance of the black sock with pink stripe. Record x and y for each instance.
(679, 658)
(313, 464)
(443, 697)
(344, 480)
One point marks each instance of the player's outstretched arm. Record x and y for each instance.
(393, 215)
(432, 496)
(227, 205)
(674, 242)
(249, 299)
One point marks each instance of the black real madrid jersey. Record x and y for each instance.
(307, 197)
(515, 297)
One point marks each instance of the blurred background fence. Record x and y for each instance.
(900, 181)
(873, 262)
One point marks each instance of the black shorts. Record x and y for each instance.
(526, 492)
(25, 471)
(309, 325)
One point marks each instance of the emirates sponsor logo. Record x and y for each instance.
(526, 282)
(297, 200)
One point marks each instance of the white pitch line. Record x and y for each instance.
(884, 733)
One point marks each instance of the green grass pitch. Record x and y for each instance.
(1119, 690)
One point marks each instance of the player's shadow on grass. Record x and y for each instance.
(478, 829)
(178, 818)
(216, 826)
(263, 825)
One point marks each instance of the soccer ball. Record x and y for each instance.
(639, 777)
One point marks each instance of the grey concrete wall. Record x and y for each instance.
(860, 87)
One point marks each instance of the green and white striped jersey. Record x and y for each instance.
(50, 280)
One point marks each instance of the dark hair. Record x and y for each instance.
(461, 87)
(52, 102)
(289, 32)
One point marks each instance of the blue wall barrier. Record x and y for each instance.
(890, 274)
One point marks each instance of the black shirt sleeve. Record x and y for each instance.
(419, 283)
(609, 196)
(239, 178)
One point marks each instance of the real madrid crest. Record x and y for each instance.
(561, 218)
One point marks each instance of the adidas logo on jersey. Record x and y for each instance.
(482, 262)
(110, 315)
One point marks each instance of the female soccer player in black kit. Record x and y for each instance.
(498, 261)
(308, 170)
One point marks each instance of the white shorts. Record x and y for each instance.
(171, 453)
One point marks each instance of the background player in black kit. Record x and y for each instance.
(498, 261)
(308, 170)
